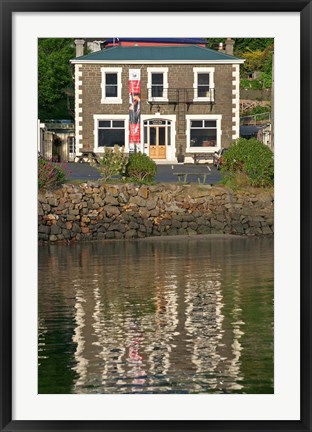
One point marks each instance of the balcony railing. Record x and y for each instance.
(161, 95)
(194, 96)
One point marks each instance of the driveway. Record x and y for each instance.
(165, 173)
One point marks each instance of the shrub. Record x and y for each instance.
(251, 84)
(50, 174)
(249, 161)
(141, 168)
(112, 163)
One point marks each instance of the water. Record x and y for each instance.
(192, 315)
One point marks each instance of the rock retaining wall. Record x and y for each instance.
(92, 211)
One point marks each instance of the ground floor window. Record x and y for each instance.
(111, 132)
(203, 133)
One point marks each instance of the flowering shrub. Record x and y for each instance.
(50, 174)
(113, 162)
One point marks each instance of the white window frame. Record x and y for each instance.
(164, 71)
(212, 117)
(207, 70)
(102, 117)
(111, 100)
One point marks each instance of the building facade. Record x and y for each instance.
(182, 99)
(56, 140)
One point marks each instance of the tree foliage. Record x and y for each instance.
(258, 60)
(257, 53)
(54, 76)
(243, 45)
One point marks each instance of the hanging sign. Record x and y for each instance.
(134, 86)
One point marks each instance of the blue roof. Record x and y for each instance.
(248, 130)
(158, 53)
(157, 40)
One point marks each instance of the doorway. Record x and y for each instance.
(157, 141)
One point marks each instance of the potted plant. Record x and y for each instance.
(180, 155)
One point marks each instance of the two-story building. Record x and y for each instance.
(161, 100)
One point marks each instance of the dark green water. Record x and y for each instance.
(192, 315)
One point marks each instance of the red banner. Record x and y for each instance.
(134, 86)
(134, 132)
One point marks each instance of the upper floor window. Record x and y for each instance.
(203, 84)
(111, 85)
(157, 84)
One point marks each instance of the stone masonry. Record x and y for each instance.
(94, 211)
(180, 76)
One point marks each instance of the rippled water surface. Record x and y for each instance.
(190, 315)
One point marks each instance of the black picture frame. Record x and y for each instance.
(6, 154)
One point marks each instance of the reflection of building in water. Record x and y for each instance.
(128, 332)
(137, 346)
(204, 327)
(234, 365)
(216, 349)
(81, 367)
(156, 317)
(104, 329)
(165, 323)
(135, 359)
(108, 339)
(42, 330)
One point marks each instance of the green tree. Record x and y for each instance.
(258, 55)
(54, 77)
(243, 44)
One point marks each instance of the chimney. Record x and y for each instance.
(229, 46)
(79, 47)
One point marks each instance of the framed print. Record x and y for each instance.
(247, 367)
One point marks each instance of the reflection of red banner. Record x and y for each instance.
(134, 131)
(134, 86)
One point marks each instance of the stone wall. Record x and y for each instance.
(92, 211)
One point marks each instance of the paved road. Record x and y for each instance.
(165, 173)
